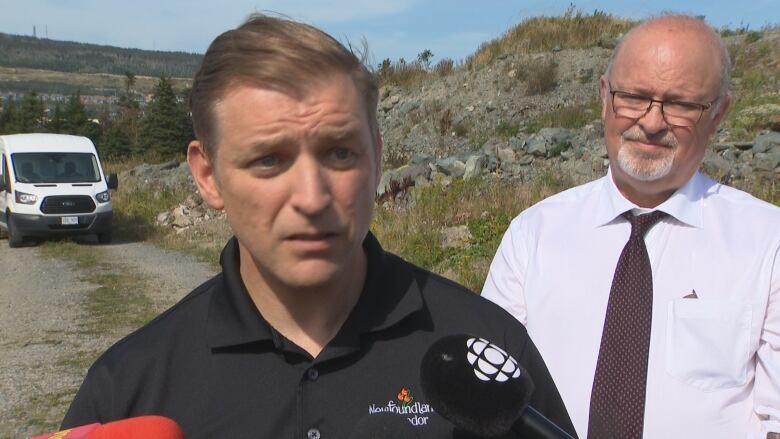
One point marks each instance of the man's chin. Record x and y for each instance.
(311, 274)
(643, 167)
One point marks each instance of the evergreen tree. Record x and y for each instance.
(165, 128)
(125, 128)
(114, 141)
(75, 120)
(29, 118)
(55, 123)
(8, 116)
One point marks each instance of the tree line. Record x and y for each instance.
(162, 129)
(67, 56)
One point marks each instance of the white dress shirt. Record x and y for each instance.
(714, 367)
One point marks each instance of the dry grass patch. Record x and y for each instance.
(572, 30)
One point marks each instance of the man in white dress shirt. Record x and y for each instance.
(713, 368)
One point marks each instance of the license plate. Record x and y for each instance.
(70, 220)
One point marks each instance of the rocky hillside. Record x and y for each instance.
(522, 113)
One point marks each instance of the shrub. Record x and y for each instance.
(444, 67)
(540, 76)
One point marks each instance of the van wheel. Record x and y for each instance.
(14, 239)
(104, 238)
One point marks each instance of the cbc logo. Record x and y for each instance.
(490, 362)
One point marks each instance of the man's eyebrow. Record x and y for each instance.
(671, 95)
(270, 142)
(341, 132)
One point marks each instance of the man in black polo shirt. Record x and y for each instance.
(311, 327)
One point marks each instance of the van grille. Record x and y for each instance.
(68, 204)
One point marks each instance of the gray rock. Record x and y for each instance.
(767, 161)
(766, 141)
(408, 106)
(536, 146)
(405, 175)
(719, 147)
(474, 166)
(516, 143)
(506, 155)
(525, 160)
(731, 155)
(715, 166)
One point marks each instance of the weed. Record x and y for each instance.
(444, 67)
(540, 76)
(506, 130)
(752, 37)
(574, 116)
(462, 128)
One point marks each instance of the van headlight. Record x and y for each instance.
(103, 197)
(25, 198)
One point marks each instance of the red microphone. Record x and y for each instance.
(141, 427)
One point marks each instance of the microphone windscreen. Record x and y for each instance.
(474, 384)
(384, 426)
(158, 427)
(71, 433)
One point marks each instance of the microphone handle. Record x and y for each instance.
(544, 428)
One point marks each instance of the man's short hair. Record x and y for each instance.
(276, 54)
(690, 21)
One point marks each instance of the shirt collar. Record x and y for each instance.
(685, 204)
(388, 297)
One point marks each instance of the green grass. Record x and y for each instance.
(484, 205)
(574, 116)
(119, 302)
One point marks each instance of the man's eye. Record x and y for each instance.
(341, 153)
(268, 161)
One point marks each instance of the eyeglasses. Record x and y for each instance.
(677, 113)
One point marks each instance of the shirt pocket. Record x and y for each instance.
(708, 342)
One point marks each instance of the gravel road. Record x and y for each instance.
(44, 351)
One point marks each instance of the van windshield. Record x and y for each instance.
(55, 167)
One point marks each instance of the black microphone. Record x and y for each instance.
(384, 426)
(481, 389)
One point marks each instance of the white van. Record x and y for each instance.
(53, 184)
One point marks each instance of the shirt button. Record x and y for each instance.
(313, 433)
(313, 374)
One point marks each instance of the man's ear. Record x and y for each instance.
(723, 108)
(204, 174)
(603, 93)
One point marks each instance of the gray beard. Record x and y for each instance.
(645, 167)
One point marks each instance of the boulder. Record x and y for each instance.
(474, 167)
(766, 141)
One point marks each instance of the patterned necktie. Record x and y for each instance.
(617, 402)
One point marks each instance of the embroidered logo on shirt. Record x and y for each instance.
(405, 397)
(416, 412)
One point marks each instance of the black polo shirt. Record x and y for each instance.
(215, 366)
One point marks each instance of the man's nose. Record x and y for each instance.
(311, 192)
(653, 120)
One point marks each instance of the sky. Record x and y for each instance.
(392, 28)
